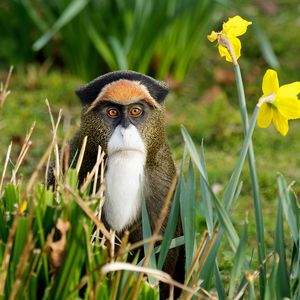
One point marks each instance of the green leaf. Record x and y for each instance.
(69, 272)
(171, 226)
(11, 197)
(119, 53)
(265, 46)
(187, 208)
(37, 18)
(239, 259)
(290, 210)
(101, 45)
(205, 195)
(223, 216)
(71, 11)
(219, 283)
(20, 239)
(283, 273)
(226, 223)
(272, 283)
(147, 233)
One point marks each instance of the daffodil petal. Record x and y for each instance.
(212, 37)
(265, 115)
(224, 53)
(23, 206)
(236, 26)
(280, 122)
(289, 107)
(270, 82)
(289, 90)
(236, 45)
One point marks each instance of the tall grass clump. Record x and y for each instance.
(92, 36)
(54, 245)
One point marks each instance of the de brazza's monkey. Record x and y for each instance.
(123, 112)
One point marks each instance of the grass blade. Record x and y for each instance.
(219, 283)
(283, 289)
(71, 11)
(187, 208)
(265, 46)
(171, 227)
(205, 195)
(147, 233)
(271, 284)
(239, 259)
(289, 208)
(226, 224)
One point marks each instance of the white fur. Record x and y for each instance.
(124, 176)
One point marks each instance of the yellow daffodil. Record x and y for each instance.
(23, 206)
(278, 103)
(229, 45)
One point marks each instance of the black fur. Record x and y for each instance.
(89, 92)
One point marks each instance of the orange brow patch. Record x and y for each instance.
(124, 92)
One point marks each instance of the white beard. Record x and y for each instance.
(124, 177)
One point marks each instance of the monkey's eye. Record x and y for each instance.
(112, 112)
(135, 111)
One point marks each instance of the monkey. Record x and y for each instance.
(124, 113)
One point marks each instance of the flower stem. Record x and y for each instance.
(254, 180)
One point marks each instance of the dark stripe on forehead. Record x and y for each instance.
(89, 92)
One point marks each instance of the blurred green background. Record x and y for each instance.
(57, 45)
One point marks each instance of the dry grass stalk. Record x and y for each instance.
(94, 172)
(5, 166)
(94, 175)
(159, 223)
(88, 212)
(44, 158)
(124, 245)
(204, 257)
(51, 117)
(197, 257)
(81, 155)
(56, 151)
(160, 275)
(202, 254)
(26, 145)
(112, 244)
(153, 238)
(253, 276)
(4, 92)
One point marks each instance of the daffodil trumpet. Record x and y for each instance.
(225, 42)
(267, 99)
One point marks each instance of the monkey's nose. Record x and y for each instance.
(122, 131)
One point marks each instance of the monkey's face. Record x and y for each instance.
(124, 114)
(125, 123)
(124, 117)
(137, 126)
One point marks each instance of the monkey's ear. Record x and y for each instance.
(157, 89)
(88, 93)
